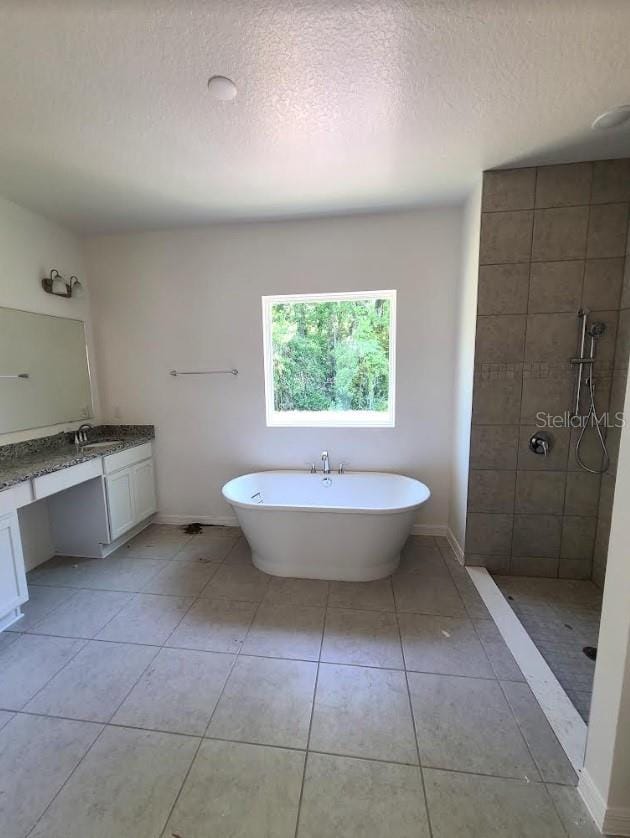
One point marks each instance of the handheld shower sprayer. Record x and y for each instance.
(595, 331)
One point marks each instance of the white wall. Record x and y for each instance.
(466, 294)
(605, 780)
(30, 245)
(191, 299)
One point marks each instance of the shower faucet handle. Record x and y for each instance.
(540, 443)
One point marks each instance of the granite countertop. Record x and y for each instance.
(25, 460)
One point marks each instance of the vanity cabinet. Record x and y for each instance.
(130, 490)
(13, 590)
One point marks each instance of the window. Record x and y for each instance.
(330, 359)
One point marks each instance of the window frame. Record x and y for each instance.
(328, 418)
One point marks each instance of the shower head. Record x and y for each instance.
(597, 329)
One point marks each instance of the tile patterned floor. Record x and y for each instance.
(174, 690)
(562, 617)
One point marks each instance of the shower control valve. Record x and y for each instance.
(540, 443)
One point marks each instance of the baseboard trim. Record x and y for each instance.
(456, 547)
(609, 820)
(216, 520)
(429, 529)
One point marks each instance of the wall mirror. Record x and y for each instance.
(44, 370)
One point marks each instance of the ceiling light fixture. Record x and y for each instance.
(222, 88)
(613, 118)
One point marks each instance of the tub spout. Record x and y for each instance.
(326, 462)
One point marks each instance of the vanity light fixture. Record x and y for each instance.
(60, 286)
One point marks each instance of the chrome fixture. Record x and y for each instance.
(326, 461)
(541, 443)
(312, 469)
(16, 375)
(203, 372)
(60, 286)
(81, 434)
(341, 468)
(594, 331)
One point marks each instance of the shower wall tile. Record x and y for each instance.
(611, 181)
(557, 457)
(491, 491)
(547, 394)
(607, 344)
(534, 566)
(625, 294)
(606, 497)
(500, 339)
(497, 401)
(537, 535)
(505, 237)
(603, 279)
(551, 338)
(495, 564)
(493, 446)
(503, 289)
(489, 534)
(578, 537)
(555, 286)
(622, 351)
(582, 493)
(590, 450)
(540, 491)
(564, 186)
(575, 568)
(508, 189)
(560, 234)
(607, 232)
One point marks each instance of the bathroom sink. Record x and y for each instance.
(106, 443)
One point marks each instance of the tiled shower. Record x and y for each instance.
(554, 240)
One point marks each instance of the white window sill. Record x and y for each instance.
(330, 419)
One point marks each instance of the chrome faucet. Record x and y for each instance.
(81, 434)
(326, 462)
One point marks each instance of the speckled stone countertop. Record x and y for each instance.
(25, 460)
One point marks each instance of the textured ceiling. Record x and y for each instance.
(106, 121)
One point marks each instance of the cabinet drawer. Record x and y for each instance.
(48, 484)
(15, 496)
(122, 459)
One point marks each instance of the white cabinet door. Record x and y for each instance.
(13, 591)
(120, 502)
(145, 502)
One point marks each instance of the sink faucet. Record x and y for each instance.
(81, 434)
(326, 462)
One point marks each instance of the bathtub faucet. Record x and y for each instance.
(326, 462)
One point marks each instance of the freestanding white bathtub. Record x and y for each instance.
(348, 527)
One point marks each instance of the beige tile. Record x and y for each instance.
(551, 338)
(158, 541)
(603, 279)
(366, 638)
(564, 186)
(489, 534)
(371, 596)
(363, 712)
(473, 603)
(550, 758)
(266, 701)
(358, 798)
(427, 595)
(505, 237)
(611, 181)
(238, 582)
(503, 289)
(37, 756)
(443, 645)
(560, 233)
(214, 625)
(181, 579)
(493, 446)
(5, 717)
(29, 663)
(578, 537)
(239, 790)
(84, 615)
(500, 657)
(491, 491)
(92, 686)
(508, 189)
(114, 574)
(500, 338)
(205, 550)
(555, 286)
(126, 785)
(582, 495)
(537, 535)
(540, 491)
(556, 460)
(285, 591)
(489, 807)
(465, 724)
(497, 396)
(148, 618)
(607, 231)
(286, 631)
(7, 638)
(573, 813)
(177, 693)
(422, 555)
(41, 602)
